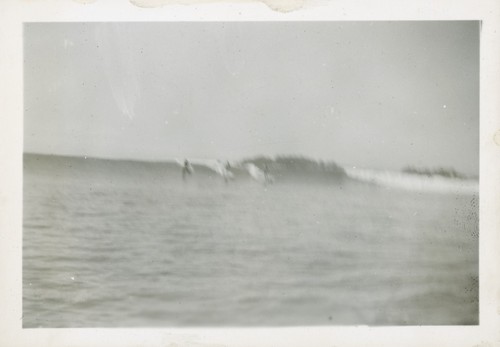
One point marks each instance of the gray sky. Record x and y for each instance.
(381, 95)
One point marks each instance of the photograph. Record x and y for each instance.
(250, 174)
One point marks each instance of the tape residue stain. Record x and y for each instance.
(282, 6)
(85, 2)
(496, 137)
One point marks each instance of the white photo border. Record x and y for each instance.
(12, 16)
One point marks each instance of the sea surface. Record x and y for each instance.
(130, 244)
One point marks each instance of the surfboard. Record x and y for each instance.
(258, 175)
(222, 170)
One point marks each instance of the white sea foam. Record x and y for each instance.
(414, 182)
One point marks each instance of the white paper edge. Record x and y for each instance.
(14, 13)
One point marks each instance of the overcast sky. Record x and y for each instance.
(381, 95)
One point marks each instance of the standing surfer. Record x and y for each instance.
(187, 169)
(266, 173)
(227, 173)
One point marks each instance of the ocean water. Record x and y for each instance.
(128, 244)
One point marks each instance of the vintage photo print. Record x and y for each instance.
(249, 174)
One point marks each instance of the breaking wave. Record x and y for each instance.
(414, 182)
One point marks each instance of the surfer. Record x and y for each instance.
(266, 173)
(186, 169)
(227, 173)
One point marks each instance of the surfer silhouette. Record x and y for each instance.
(186, 169)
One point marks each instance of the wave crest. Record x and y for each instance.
(414, 182)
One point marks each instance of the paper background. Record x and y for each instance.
(13, 14)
